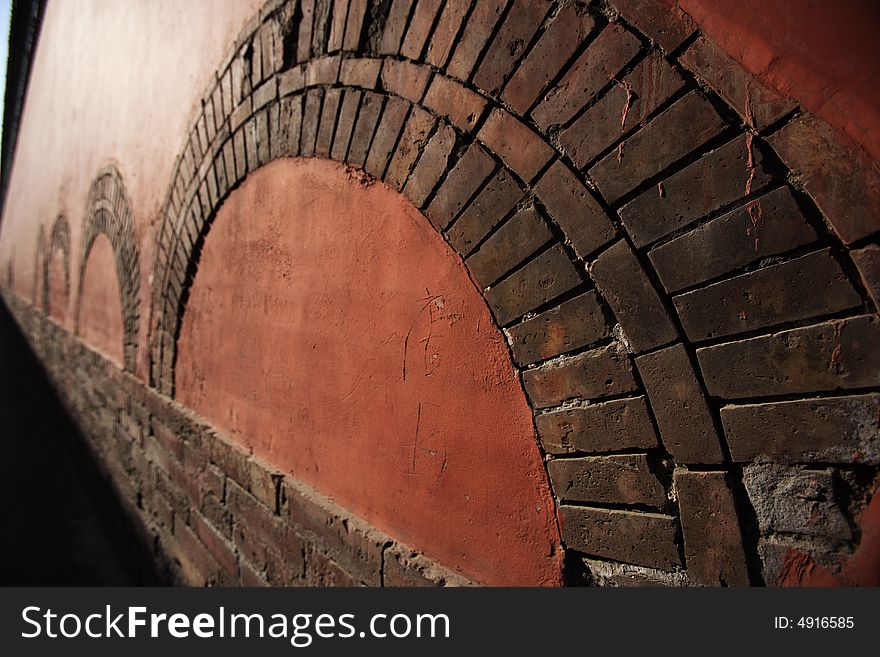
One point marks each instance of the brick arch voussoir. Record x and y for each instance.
(548, 178)
(108, 212)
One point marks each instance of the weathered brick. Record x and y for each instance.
(626, 288)
(285, 569)
(322, 571)
(554, 48)
(597, 428)
(395, 25)
(405, 79)
(322, 24)
(252, 146)
(445, 32)
(521, 148)
(680, 407)
(226, 104)
(519, 26)
(345, 124)
(357, 10)
(323, 70)
(256, 527)
(168, 438)
(306, 23)
(412, 141)
(222, 551)
(360, 72)
(595, 69)
(616, 479)
(540, 280)
(292, 80)
(210, 119)
(713, 546)
(198, 566)
(311, 118)
(709, 183)
(365, 127)
(351, 543)
(387, 132)
(241, 114)
(844, 186)
(575, 210)
(477, 30)
(239, 82)
(337, 25)
(289, 125)
(459, 186)
(516, 240)
(591, 375)
(405, 568)
(833, 355)
(265, 93)
(492, 204)
(419, 28)
(796, 500)
(431, 165)
(867, 260)
(835, 430)
(685, 126)
(647, 539)
(651, 83)
(665, 24)
(459, 104)
(263, 483)
(767, 226)
(804, 287)
(573, 324)
(328, 122)
(758, 105)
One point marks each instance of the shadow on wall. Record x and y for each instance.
(63, 522)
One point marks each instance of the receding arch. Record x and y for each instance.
(56, 294)
(108, 213)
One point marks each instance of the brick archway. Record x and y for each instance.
(59, 240)
(108, 212)
(585, 165)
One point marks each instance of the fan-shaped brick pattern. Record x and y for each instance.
(108, 212)
(680, 305)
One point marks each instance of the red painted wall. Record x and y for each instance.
(824, 54)
(100, 306)
(333, 331)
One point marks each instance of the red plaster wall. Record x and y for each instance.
(112, 82)
(333, 331)
(100, 306)
(57, 283)
(824, 54)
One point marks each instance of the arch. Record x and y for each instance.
(108, 212)
(569, 191)
(59, 240)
